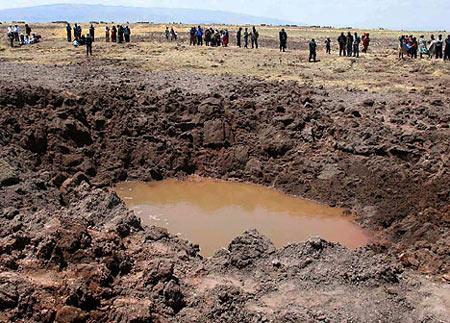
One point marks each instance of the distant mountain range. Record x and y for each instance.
(86, 13)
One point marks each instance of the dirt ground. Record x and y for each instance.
(370, 134)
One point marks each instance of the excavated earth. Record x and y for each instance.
(71, 252)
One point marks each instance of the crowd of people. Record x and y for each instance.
(412, 47)
(116, 34)
(349, 44)
(15, 36)
(199, 36)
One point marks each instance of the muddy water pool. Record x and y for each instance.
(211, 213)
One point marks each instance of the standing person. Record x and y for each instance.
(423, 50)
(75, 32)
(239, 37)
(312, 51)
(255, 34)
(107, 34)
(328, 45)
(92, 32)
(356, 42)
(69, 32)
(167, 33)
(88, 42)
(173, 34)
(432, 46)
(120, 34)
(402, 43)
(366, 42)
(283, 40)
(226, 38)
(439, 47)
(192, 34)
(208, 37)
(350, 40)
(447, 49)
(127, 34)
(414, 47)
(11, 36)
(246, 38)
(199, 36)
(114, 34)
(16, 32)
(342, 40)
(27, 30)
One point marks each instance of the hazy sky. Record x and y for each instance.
(420, 14)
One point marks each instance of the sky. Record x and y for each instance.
(394, 14)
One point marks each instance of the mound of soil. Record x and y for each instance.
(71, 252)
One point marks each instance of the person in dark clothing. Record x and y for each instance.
(342, 40)
(69, 32)
(173, 34)
(82, 41)
(207, 37)
(312, 51)
(114, 34)
(27, 30)
(328, 45)
(92, 32)
(255, 37)
(88, 42)
(439, 47)
(75, 32)
(246, 35)
(447, 49)
(283, 40)
(239, 37)
(350, 40)
(127, 34)
(120, 32)
(356, 42)
(192, 33)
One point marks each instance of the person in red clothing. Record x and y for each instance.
(365, 42)
(225, 38)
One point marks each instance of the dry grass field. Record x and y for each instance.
(377, 71)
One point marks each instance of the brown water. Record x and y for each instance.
(211, 213)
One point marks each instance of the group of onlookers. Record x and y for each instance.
(349, 45)
(198, 36)
(16, 37)
(411, 46)
(171, 34)
(116, 34)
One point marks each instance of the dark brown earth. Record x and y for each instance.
(71, 252)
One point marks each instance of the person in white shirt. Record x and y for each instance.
(11, 35)
(16, 31)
